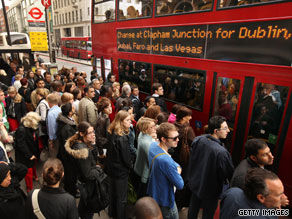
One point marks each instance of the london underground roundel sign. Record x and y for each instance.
(46, 3)
(35, 13)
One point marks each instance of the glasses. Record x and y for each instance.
(90, 133)
(173, 138)
(224, 129)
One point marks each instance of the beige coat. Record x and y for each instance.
(87, 111)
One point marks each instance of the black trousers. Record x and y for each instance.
(119, 197)
(209, 207)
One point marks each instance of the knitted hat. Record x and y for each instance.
(4, 168)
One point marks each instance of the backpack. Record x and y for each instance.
(97, 193)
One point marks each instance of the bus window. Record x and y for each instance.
(82, 45)
(103, 11)
(227, 92)
(268, 108)
(107, 67)
(89, 46)
(230, 3)
(138, 73)
(135, 9)
(17, 39)
(165, 7)
(98, 66)
(185, 86)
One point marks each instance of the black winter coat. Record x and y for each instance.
(238, 178)
(84, 160)
(54, 203)
(210, 166)
(66, 128)
(102, 125)
(12, 197)
(20, 108)
(118, 157)
(26, 145)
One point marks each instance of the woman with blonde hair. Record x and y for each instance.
(119, 163)
(42, 110)
(15, 108)
(116, 90)
(26, 146)
(147, 135)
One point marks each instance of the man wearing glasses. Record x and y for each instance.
(210, 167)
(164, 171)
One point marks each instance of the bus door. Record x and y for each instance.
(253, 108)
(269, 114)
(226, 97)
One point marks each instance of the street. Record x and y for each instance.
(63, 61)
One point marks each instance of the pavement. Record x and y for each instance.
(59, 55)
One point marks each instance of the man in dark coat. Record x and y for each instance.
(96, 85)
(262, 196)
(157, 90)
(210, 167)
(137, 103)
(258, 154)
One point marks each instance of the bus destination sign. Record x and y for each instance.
(238, 42)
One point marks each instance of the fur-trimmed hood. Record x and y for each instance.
(77, 150)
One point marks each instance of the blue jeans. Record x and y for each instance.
(169, 213)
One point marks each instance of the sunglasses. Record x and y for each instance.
(173, 138)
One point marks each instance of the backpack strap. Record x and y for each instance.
(157, 155)
(35, 205)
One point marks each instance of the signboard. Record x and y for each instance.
(39, 41)
(46, 3)
(266, 42)
(36, 15)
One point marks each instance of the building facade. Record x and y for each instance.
(71, 18)
(2, 20)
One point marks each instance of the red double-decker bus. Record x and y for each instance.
(76, 47)
(217, 57)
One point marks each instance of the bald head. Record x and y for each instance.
(147, 208)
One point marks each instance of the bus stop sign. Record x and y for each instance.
(46, 3)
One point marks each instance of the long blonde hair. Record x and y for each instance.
(116, 127)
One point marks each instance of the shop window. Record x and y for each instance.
(138, 73)
(184, 86)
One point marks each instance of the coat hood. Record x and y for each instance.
(65, 120)
(76, 149)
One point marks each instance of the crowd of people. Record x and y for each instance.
(87, 129)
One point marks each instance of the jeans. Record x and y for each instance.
(209, 207)
(169, 213)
